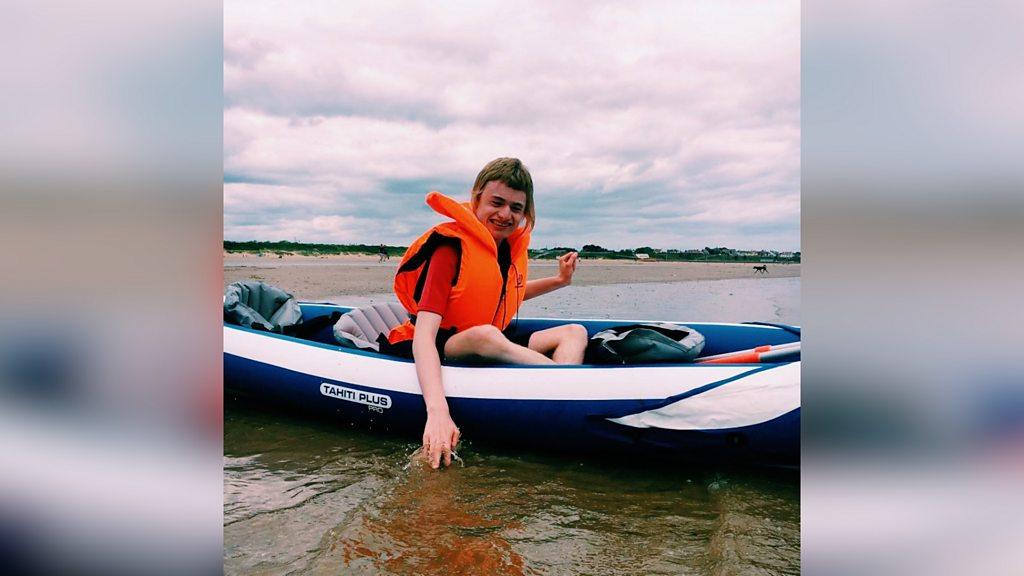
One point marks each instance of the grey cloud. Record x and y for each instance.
(638, 148)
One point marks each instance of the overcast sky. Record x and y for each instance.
(664, 124)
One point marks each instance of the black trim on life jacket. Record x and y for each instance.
(423, 257)
(504, 263)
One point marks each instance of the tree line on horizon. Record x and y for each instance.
(708, 254)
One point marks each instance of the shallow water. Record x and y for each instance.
(731, 300)
(310, 497)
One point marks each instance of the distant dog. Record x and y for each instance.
(763, 269)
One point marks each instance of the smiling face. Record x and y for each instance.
(501, 209)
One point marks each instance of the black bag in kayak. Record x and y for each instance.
(645, 344)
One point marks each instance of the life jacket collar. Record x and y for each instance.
(462, 212)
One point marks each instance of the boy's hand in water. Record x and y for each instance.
(440, 436)
(567, 266)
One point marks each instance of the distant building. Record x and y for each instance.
(642, 256)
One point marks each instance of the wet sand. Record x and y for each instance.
(317, 278)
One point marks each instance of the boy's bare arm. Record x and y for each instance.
(566, 268)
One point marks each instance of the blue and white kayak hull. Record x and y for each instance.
(731, 412)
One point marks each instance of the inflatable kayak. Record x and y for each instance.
(738, 402)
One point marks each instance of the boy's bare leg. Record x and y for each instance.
(487, 341)
(566, 344)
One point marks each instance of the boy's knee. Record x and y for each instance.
(484, 332)
(486, 336)
(576, 332)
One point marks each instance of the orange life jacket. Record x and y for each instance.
(478, 296)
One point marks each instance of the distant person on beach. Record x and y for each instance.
(462, 303)
(383, 254)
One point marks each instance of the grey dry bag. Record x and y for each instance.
(645, 344)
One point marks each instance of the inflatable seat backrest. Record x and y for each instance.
(262, 306)
(361, 327)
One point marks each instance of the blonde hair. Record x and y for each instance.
(512, 173)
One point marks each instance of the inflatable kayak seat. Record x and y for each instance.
(260, 306)
(361, 327)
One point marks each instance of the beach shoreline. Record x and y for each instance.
(319, 277)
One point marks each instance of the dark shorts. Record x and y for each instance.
(404, 349)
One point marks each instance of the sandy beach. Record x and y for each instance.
(314, 278)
